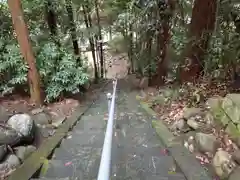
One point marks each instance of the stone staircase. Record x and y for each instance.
(137, 152)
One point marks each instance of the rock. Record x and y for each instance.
(23, 152)
(209, 119)
(41, 133)
(41, 117)
(235, 98)
(235, 174)
(12, 160)
(223, 164)
(236, 156)
(206, 142)
(232, 130)
(3, 151)
(190, 136)
(180, 125)
(231, 107)
(214, 103)
(4, 114)
(190, 112)
(193, 123)
(9, 136)
(237, 141)
(5, 170)
(23, 124)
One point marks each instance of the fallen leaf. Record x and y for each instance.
(68, 163)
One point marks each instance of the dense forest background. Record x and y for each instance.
(43, 43)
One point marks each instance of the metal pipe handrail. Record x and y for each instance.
(104, 168)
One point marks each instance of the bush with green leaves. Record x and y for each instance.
(13, 70)
(59, 70)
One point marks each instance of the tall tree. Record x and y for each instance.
(164, 14)
(88, 23)
(51, 19)
(99, 40)
(200, 30)
(26, 49)
(72, 27)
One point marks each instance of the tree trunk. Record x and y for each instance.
(110, 32)
(100, 40)
(163, 38)
(149, 52)
(51, 20)
(162, 45)
(200, 30)
(72, 28)
(88, 23)
(130, 50)
(26, 49)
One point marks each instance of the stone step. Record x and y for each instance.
(43, 178)
(79, 168)
(94, 140)
(61, 169)
(173, 176)
(91, 123)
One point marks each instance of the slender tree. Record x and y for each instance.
(51, 17)
(26, 49)
(51, 20)
(163, 17)
(72, 27)
(88, 23)
(100, 40)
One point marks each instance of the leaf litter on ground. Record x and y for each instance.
(170, 109)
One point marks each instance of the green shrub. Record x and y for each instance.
(59, 70)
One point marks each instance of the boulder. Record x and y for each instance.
(209, 119)
(41, 117)
(235, 175)
(214, 103)
(235, 98)
(223, 164)
(231, 107)
(232, 130)
(236, 156)
(12, 160)
(4, 114)
(237, 141)
(9, 136)
(22, 152)
(41, 133)
(5, 170)
(194, 124)
(190, 112)
(206, 142)
(3, 151)
(180, 125)
(24, 124)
